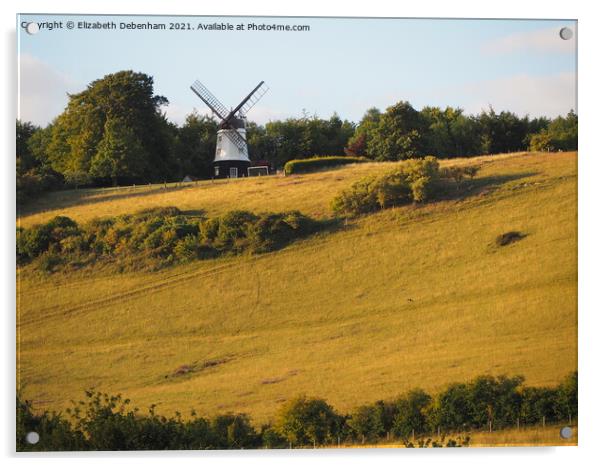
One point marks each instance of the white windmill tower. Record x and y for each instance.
(231, 152)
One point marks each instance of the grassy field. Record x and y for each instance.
(309, 193)
(523, 437)
(408, 297)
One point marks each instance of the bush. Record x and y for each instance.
(105, 422)
(36, 181)
(157, 237)
(305, 421)
(413, 180)
(234, 431)
(274, 231)
(458, 174)
(56, 433)
(366, 423)
(450, 408)
(318, 163)
(566, 403)
(411, 416)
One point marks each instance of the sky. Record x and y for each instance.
(342, 65)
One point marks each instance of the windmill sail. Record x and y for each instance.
(255, 96)
(236, 139)
(210, 100)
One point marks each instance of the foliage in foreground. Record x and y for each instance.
(416, 419)
(156, 238)
(318, 163)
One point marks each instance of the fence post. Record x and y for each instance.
(518, 423)
(543, 421)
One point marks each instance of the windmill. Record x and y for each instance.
(231, 152)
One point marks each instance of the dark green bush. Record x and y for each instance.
(318, 163)
(366, 423)
(34, 241)
(156, 238)
(412, 180)
(234, 431)
(307, 421)
(411, 416)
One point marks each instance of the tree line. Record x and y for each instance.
(115, 132)
(416, 418)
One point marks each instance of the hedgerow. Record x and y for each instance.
(319, 162)
(156, 238)
(416, 419)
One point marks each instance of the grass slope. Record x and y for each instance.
(412, 296)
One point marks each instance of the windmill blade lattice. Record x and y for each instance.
(236, 139)
(253, 99)
(206, 96)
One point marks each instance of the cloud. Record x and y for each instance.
(43, 90)
(523, 94)
(178, 113)
(262, 115)
(542, 40)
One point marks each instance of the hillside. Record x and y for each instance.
(412, 296)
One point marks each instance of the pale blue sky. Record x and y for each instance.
(342, 65)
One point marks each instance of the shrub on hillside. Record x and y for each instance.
(157, 237)
(413, 180)
(318, 163)
(458, 174)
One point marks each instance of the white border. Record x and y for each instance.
(589, 220)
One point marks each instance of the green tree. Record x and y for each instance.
(305, 420)
(120, 153)
(567, 397)
(234, 431)
(503, 132)
(412, 410)
(366, 423)
(25, 159)
(561, 134)
(358, 143)
(451, 408)
(399, 134)
(125, 98)
(195, 146)
(495, 401)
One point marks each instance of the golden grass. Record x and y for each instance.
(408, 297)
(309, 193)
(523, 437)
